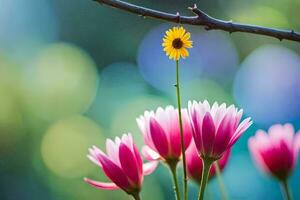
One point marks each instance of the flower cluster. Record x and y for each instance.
(201, 135)
(123, 164)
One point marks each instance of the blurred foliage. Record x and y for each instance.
(73, 73)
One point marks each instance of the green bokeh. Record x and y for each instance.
(65, 146)
(61, 81)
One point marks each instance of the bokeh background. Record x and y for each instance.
(73, 73)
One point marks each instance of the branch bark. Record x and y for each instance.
(203, 19)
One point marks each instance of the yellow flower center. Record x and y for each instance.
(177, 43)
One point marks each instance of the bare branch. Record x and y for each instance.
(203, 19)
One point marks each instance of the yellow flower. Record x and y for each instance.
(175, 42)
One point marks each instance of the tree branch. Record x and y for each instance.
(203, 19)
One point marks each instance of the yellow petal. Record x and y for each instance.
(188, 44)
(184, 52)
(186, 36)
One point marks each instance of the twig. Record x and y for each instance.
(203, 19)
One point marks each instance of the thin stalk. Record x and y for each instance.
(175, 181)
(286, 192)
(136, 196)
(220, 181)
(205, 172)
(181, 132)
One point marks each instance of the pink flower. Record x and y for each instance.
(216, 128)
(195, 164)
(162, 134)
(122, 165)
(276, 153)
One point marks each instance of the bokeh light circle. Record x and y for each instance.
(61, 81)
(267, 86)
(65, 145)
(218, 56)
(272, 17)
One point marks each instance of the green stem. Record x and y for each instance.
(286, 192)
(136, 196)
(220, 181)
(205, 172)
(181, 131)
(173, 166)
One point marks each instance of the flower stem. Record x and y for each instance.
(286, 192)
(173, 166)
(181, 132)
(205, 172)
(220, 181)
(136, 196)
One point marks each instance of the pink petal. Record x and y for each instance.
(208, 133)
(187, 128)
(254, 150)
(289, 133)
(91, 158)
(219, 115)
(112, 151)
(223, 136)
(276, 134)
(246, 123)
(196, 125)
(138, 158)
(149, 167)
(279, 160)
(163, 117)
(114, 172)
(101, 185)
(193, 162)
(238, 117)
(296, 146)
(127, 140)
(262, 140)
(143, 123)
(159, 138)
(287, 154)
(150, 154)
(93, 155)
(214, 109)
(174, 134)
(129, 164)
(206, 106)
